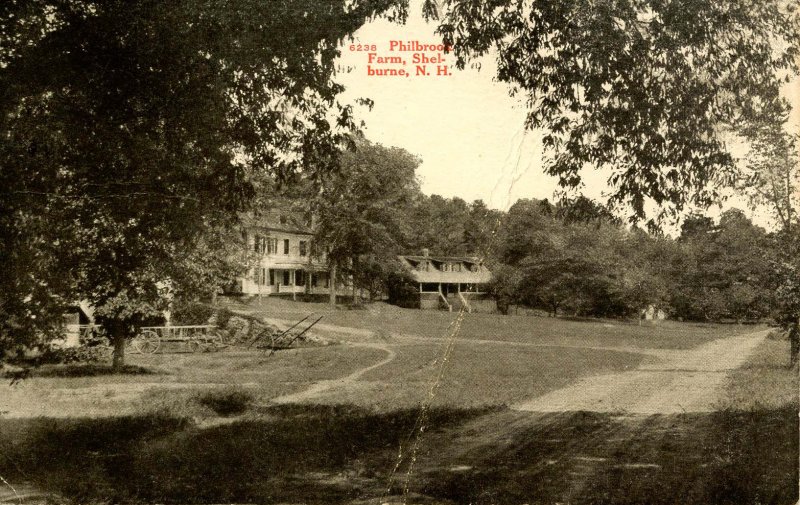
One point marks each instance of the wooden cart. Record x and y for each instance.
(196, 337)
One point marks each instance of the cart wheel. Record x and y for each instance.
(148, 342)
(194, 346)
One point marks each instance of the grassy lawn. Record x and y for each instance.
(389, 320)
(200, 428)
(172, 381)
(289, 455)
(314, 454)
(476, 375)
(764, 381)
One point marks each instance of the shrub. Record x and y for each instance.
(223, 316)
(229, 401)
(237, 328)
(403, 290)
(189, 313)
(60, 356)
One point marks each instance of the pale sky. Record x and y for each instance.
(465, 127)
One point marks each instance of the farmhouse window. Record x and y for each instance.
(271, 276)
(299, 277)
(259, 244)
(286, 278)
(272, 245)
(286, 246)
(303, 248)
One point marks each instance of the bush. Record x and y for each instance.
(190, 313)
(226, 402)
(63, 356)
(223, 316)
(403, 290)
(237, 329)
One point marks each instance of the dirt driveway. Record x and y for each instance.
(619, 437)
(679, 382)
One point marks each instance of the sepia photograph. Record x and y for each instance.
(400, 252)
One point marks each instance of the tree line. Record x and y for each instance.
(572, 257)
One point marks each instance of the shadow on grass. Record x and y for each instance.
(582, 457)
(290, 454)
(90, 370)
(318, 454)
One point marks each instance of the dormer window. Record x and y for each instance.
(283, 219)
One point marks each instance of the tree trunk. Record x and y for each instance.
(119, 351)
(794, 343)
(332, 284)
(356, 297)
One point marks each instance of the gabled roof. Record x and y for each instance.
(429, 269)
(279, 219)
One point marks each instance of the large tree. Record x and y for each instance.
(361, 209)
(134, 132)
(647, 90)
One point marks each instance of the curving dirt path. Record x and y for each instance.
(681, 381)
(322, 386)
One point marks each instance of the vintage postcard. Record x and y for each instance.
(495, 252)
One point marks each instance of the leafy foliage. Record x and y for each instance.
(133, 134)
(361, 210)
(402, 289)
(552, 261)
(644, 89)
(188, 312)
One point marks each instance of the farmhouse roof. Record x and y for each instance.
(446, 269)
(279, 219)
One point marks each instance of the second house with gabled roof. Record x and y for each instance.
(448, 282)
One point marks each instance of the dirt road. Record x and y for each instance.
(607, 438)
(680, 382)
